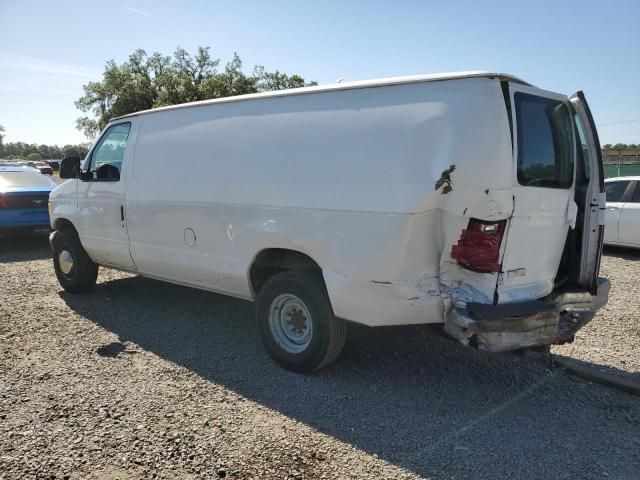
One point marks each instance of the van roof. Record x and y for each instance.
(378, 82)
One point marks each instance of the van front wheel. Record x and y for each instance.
(76, 272)
(296, 321)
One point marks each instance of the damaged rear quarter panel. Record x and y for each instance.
(406, 274)
(460, 285)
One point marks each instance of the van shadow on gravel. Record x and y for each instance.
(416, 400)
(24, 246)
(622, 252)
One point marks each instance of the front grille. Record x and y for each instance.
(35, 200)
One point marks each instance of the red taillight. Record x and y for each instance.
(479, 245)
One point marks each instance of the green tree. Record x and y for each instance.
(2, 149)
(145, 82)
(80, 150)
(277, 80)
(607, 146)
(22, 150)
(34, 156)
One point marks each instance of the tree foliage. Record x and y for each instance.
(149, 81)
(621, 146)
(1, 134)
(22, 150)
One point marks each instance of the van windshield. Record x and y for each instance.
(545, 142)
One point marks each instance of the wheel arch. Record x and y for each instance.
(270, 261)
(64, 224)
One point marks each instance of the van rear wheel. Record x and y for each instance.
(76, 272)
(296, 321)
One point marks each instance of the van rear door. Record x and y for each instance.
(590, 196)
(543, 193)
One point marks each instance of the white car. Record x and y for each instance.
(461, 199)
(623, 211)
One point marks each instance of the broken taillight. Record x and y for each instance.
(479, 245)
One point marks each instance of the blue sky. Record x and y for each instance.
(48, 50)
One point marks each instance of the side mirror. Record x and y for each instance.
(70, 167)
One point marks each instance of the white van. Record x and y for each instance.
(470, 199)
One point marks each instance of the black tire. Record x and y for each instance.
(328, 332)
(84, 273)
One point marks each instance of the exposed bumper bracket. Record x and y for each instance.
(551, 320)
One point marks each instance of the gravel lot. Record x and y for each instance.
(141, 379)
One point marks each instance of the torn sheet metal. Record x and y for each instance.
(499, 328)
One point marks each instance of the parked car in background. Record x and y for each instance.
(623, 211)
(24, 197)
(18, 163)
(42, 167)
(54, 164)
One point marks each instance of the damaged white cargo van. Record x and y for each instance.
(471, 199)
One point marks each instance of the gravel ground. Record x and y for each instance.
(612, 339)
(141, 379)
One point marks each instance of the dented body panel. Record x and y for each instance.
(374, 182)
(553, 319)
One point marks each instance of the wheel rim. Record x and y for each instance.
(65, 260)
(290, 323)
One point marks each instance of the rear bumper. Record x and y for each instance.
(551, 320)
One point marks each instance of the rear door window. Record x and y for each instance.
(616, 190)
(583, 167)
(545, 142)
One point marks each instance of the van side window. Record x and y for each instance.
(615, 190)
(107, 156)
(636, 195)
(545, 142)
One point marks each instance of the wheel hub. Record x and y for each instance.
(290, 323)
(65, 259)
(297, 319)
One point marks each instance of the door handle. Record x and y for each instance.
(122, 213)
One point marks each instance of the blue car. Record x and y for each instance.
(24, 198)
